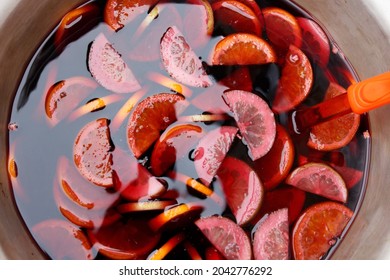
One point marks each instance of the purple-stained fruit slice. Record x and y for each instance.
(242, 187)
(132, 180)
(226, 236)
(173, 144)
(180, 60)
(255, 120)
(64, 96)
(108, 67)
(211, 151)
(141, 206)
(315, 43)
(320, 179)
(150, 117)
(92, 153)
(125, 239)
(271, 237)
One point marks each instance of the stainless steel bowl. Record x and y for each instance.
(348, 21)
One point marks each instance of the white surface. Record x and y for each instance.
(380, 8)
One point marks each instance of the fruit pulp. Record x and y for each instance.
(37, 144)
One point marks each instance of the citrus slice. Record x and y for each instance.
(295, 83)
(175, 217)
(109, 69)
(62, 241)
(315, 43)
(80, 191)
(274, 167)
(151, 205)
(318, 229)
(132, 180)
(125, 239)
(151, 116)
(242, 188)
(173, 144)
(192, 251)
(118, 13)
(271, 237)
(211, 253)
(226, 236)
(63, 97)
(320, 179)
(242, 49)
(180, 60)
(336, 133)
(255, 120)
(91, 153)
(211, 151)
(235, 17)
(282, 29)
(167, 247)
(282, 197)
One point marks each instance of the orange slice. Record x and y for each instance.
(295, 83)
(125, 239)
(318, 229)
(235, 17)
(91, 153)
(274, 167)
(61, 240)
(141, 206)
(336, 133)
(167, 247)
(255, 120)
(151, 116)
(282, 29)
(226, 236)
(242, 187)
(242, 49)
(320, 179)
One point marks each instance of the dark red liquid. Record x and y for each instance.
(36, 146)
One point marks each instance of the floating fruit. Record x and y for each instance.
(180, 60)
(271, 237)
(242, 188)
(92, 153)
(167, 247)
(140, 206)
(150, 117)
(318, 229)
(211, 151)
(108, 67)
(320, 179)
(255, 120)
(226, 236)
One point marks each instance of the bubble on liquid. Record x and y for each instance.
(13, 126)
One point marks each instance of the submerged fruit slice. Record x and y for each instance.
(226, 236)
(172, 145)
(91, 153)
(150, 205)
(64, 96)
(109, 69)
(336, 133)
(167, 247)
(243, 49)
(118, 13)
(282, 29)
(151, 116)
(62, 241)
(271, 237)
(274, 167)
(320, 179)
(242, 187)
(180, 60)
(235, 17)
(211, 151)
(318, 229)
(255, 120)
(295, 83)
(125, 239)
(315, 43)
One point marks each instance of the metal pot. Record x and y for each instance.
(349, 22)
